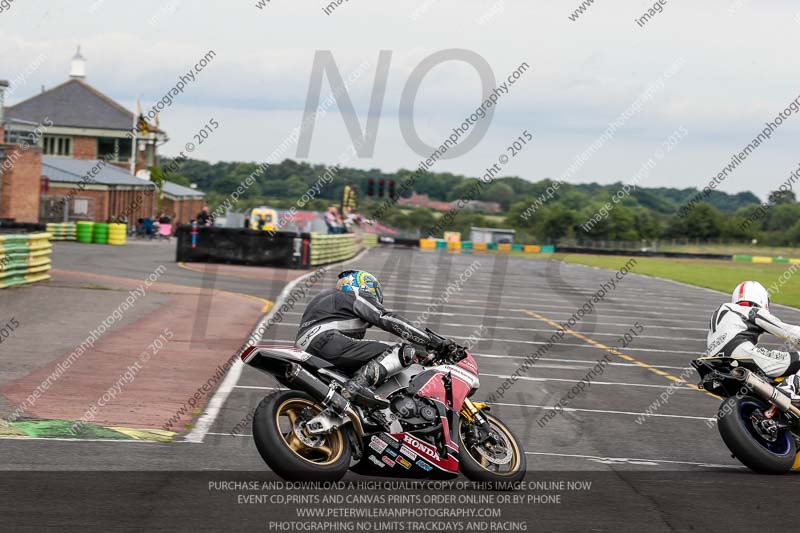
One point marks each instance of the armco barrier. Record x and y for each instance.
(639, 253)
(24, 258)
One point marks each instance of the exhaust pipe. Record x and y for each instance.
(304, 380)
(766, 391)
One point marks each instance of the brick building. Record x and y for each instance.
(74, 142)
(110, 194)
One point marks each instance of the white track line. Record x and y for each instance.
(551, 331)
(612, 383)
(695, 353)
(203, 424)
(607, 412)
(589, 362)
(614, 461)
(627, 460)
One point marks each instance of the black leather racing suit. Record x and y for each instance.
(334, 324)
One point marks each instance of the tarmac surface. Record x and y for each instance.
(640, 430)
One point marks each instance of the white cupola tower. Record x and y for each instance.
(77, 67)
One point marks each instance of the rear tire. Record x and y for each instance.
(470, 460)
(755, 452)
(289, 456)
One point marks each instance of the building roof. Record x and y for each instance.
(173, 189)
(72, 104)
(63, 169)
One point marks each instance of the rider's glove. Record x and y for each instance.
(442, 346)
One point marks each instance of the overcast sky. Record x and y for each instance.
(739, 70)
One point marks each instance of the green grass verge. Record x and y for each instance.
(719, 275)
(731, 249)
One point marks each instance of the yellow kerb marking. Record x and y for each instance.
(619, 354)
(267, 303)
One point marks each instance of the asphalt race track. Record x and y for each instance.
(665, 469)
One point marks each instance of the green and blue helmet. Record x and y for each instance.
(351, 280)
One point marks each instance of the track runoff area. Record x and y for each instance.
(589, 367)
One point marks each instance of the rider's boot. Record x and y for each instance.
(791, 387)
(359, 388)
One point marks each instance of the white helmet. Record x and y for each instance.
(752, 292)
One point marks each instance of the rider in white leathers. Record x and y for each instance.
(735, 328)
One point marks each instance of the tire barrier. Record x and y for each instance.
(64, 231)
(481, 247)
(764, 259)
(89, 232)
(369, 240)
(100, 233)
(117, 234)
(84, 231)
(332, 248)
(24, 258)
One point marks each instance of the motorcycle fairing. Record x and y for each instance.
(406, 456)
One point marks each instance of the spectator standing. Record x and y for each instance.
(204, 218)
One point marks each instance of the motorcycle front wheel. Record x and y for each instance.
(748, 435)
(293, 454)
(500, 461)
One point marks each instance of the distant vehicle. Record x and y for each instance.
(262, 218)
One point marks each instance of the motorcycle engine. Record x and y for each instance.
(414, 410)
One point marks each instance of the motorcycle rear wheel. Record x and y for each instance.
(478, 467)
(743, 439)
(292, 454)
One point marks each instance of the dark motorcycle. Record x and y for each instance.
(431, 428)
(758, 423)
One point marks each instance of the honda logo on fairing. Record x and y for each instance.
(421, 447)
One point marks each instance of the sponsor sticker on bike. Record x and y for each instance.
(425, 466)
(408, 452)
(376, 462)
(404, 463)
(377, 444)
(391, 441)
(391, 452)
(387, 461)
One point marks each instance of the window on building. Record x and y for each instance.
(114, 149)
(80, 206)
(55, 145)
(18, 136)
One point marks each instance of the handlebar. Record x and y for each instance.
(453, 351)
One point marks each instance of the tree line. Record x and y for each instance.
(640, 213)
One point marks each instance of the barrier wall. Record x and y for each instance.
(764, 259)
(333, 248)
(24, 258)
(471, 247)
(369, 240)
(64, 231)
(239, 246)
(282, 249)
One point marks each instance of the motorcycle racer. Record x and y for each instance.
(333, 327)
(735, 328)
